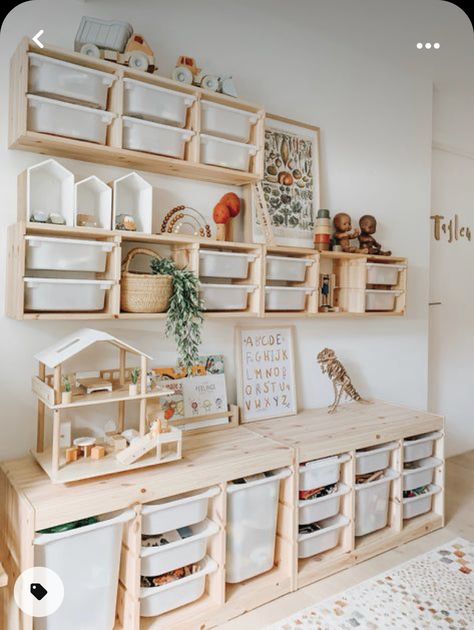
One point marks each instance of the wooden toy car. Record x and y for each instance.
(114, 41)
(186, 71)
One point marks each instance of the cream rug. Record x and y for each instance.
(433, 591)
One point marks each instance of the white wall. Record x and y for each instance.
(320, 62)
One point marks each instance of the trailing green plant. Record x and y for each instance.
(134, 374)
(184, 317)
(67, 384)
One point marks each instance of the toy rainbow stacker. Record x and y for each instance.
(60, 392)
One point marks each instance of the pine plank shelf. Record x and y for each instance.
(186, 251)
(215, 459)
(113, 153)
(47, 144)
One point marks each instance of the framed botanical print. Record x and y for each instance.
(290, 181)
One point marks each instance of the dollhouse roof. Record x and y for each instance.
(78, 341)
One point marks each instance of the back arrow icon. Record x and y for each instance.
(36, 38)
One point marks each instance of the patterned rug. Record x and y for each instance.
(432, 591)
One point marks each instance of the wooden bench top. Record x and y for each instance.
(218, 457)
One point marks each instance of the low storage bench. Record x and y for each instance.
(190, 557)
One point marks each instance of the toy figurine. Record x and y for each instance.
(344, 233)
(186, 71)
(368, 226)
(341, 381)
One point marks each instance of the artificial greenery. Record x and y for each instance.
(184, 318)
(67, 384)
(134, 374)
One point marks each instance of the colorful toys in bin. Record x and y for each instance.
(114, 41)
(227, 208)
(186, 71)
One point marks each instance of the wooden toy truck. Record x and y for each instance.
(114, 41)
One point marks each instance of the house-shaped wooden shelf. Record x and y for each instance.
(67, 463)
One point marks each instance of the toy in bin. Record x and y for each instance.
(186, 71)
(114, 41)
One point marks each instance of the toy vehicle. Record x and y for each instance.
(186, 71)
(114, 41)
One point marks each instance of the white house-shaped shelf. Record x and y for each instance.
(112, 387)
(49, 188)
(93, 197)
(133, 195)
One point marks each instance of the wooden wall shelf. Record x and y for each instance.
(186, 249)
(215, 459)
(113, 153)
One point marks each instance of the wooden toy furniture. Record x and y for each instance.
(213, 460)
(64, 467)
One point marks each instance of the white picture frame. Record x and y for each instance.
(291, 150)
(265, 366)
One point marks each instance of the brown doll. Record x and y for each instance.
(368, 226)
(344, 233)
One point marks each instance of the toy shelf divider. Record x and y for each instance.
(112, 153)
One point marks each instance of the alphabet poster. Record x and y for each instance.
(266, 386)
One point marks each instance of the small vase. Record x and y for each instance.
(133, 389)
(66, 398)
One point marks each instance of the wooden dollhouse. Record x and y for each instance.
(58, 391)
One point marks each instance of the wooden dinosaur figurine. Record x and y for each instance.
(341, 381)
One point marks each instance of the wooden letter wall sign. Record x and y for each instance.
(451, 228)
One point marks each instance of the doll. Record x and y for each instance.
(344, 233)
(368, 226)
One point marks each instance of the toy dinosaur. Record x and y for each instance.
(341, 381)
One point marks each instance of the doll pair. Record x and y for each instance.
(344, 233)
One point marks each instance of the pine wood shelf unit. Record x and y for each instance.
(315, 434)
(113, 153)
(214, 459)
(185, 250)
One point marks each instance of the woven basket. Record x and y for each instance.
(144, 292)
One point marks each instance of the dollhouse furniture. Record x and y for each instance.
(356, 438)
(48, 390)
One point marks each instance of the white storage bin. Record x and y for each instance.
(323, 539)
(286, 298)
(56, 78)
(226, 122)
(226, 153)
(66, 254)
(420, 447)
(159, 560)
(225, 297)
(66, 119)
(374, 458)
(155, 103)
(372, 500)
(321, 472)
(213, 264)
(157, 600)
(151, 137)
(164, 515)
(87, 559)
(414, 506)
(422, 475)
(313, 510)
(381, 273)
(252, 510)
(64, 294)
(380, 300)
(287, 269)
